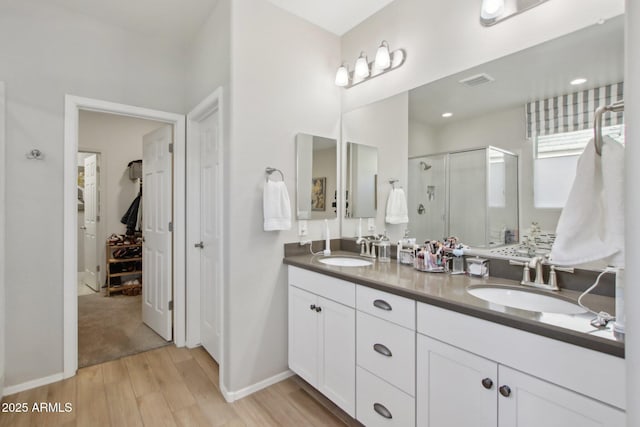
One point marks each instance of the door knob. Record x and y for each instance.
(199, 245)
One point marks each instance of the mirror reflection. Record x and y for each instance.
(361, 181)
(524, 103)
(445, 188)
(317, 177)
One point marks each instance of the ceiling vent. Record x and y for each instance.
(477, 80)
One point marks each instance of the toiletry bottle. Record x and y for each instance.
(384, 248)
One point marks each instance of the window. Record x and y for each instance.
(555, 161)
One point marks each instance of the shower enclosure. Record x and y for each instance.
(471, 194)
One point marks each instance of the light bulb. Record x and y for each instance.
(362, 67)
(492, 8)
(383, 59)
(342, 76)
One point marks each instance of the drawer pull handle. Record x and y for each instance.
(505, 390)
(382, 349)
(381, 410)
(487, 383)
(382, 305)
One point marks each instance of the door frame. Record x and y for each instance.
(3, 173)
(212, 103)
(73, 105)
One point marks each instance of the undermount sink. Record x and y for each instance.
(343, 261)
(524, 299)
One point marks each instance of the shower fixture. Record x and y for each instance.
(424, 166)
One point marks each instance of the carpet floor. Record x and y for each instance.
(111, 328)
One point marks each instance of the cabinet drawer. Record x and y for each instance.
(387, 306)
(387, 350)
(326, 286)
(380, 404)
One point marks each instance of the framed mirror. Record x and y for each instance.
(361, 183)
(316, 177)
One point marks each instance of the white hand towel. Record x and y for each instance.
(397, 212)
(591, 225)
(277, 207)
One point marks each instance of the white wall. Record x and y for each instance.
(632, 242)
(118, 139)
(385, 125)
(445, 37)
(421, 138)
(283, 72)
(48, 52)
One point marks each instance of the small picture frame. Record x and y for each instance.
(319, 194)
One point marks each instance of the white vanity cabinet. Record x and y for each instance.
(466, 381)
(386, 356)
(322, 336)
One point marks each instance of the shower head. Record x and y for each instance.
(424, 166)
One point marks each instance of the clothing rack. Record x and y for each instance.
(616, 107)
(269, 170)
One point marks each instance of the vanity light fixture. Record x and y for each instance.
(364, 70)
(447, 115)
(342, 76)
(362, 67)
(383, 58)
(494, 11)
(578, 81)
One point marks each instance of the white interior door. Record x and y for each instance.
(156, 216)
(210, 313)
(90, 226)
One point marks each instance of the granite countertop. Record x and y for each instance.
(449, 292)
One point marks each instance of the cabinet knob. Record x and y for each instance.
(382, 411)
(312, 307)
(382, 305)
(199, 245)
(382, 349)
(487, 383)
(505, 390)
(318, 309)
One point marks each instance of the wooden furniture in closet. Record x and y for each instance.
(112, 261)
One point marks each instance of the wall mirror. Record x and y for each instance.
(487, 107)
(361, 183)
(316, 177)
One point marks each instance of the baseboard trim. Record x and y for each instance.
(232, 396)
(13, 389)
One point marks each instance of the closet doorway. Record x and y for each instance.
(168, 298)
(119, 284)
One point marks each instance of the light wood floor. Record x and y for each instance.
(166, 387)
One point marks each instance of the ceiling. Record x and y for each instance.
(336, 16)
(543, 71)
(177, 20)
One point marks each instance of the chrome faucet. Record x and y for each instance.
(536, 262)
(367, 247)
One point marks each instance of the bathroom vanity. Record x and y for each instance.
(394, 346)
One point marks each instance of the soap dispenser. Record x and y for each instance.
(384, 248)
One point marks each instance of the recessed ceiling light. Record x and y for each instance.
(445, 115)
(578, 81)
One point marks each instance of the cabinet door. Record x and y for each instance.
(337, 374)
(303, 334)
(454, 387)
(531, 402)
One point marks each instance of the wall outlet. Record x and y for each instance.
(302, 228)
(371, 225)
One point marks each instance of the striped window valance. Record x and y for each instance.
(572, 112)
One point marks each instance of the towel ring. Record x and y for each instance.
(616, 107)
(269, 170)
(393, 182)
